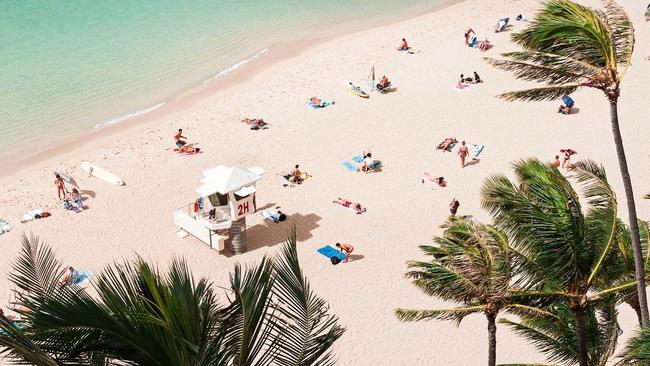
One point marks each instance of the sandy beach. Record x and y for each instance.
(401, 129)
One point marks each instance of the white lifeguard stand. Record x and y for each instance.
(227, 195)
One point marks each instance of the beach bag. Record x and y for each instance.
(282, 217)
(335, 260)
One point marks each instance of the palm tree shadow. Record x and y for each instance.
(270, 233)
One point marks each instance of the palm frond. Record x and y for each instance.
(306, 332)
(454, 314)
(17, 347)
(549, 92)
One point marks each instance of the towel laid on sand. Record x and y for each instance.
(313, 106)
(81, 277)
(349, 166)
(330, 252)
(5, 227)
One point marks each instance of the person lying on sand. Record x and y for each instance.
(349, 204)
(444, 146)
(440, 181)
(468, 34)
(347, 248)
(253, 121)
(188, 149)
(316, 101)
(404, 46)
(178, 138)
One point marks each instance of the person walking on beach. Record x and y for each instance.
(347, 248)
(566, 162)
(178, 138)
(453, 206)
(60, 186)
(463, 152)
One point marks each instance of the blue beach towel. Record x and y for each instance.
(330, 252)
(325, 104)
(349, 166)
(358, 159)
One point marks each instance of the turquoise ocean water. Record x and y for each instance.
(67, 66)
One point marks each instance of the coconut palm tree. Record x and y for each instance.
(568, 46)
(568, 247)
(472, 264)
(142, 316)
(554, 333)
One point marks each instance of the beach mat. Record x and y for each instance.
(357, 159)
(349, 166)
(270, 215)
(330, 252)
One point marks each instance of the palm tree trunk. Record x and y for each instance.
(633, 301)
(492, 340)
(580, 333)
(631, 208)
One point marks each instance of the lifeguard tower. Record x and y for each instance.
(218, 216)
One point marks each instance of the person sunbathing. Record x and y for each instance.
(254, 121)
(468, 35)
(485, 45)
(67, 278)
(404, 46)
(316, 101)
(445, 145)
(351, 205)
(296, 175)
(383, 83)
(368, 162)
(440, 181)
(188, 149)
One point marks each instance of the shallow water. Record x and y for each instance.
(72, 65)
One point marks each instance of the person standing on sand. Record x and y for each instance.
(566, 162)
(463, 152)
(178, 138)
(347, 248)
(60, 186)
(453, 206)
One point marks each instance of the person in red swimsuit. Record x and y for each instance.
(60, 186)
(463, 152)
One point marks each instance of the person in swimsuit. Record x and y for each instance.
(440, 181)
(296, 175)
(463, 152)
(444, 146)
(178, 138)
(60, 186)
(316, 101)
(188, 150)
(566, 162)
(477, 78)
(347, 248)
(556, 162)
(67, 278)
(349, 204)
(368, 163)
(453, 206)
(485, 45)
(468, 35)
(404, 46)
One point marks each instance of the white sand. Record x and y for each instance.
(401, 128)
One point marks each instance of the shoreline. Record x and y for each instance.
(236, 75)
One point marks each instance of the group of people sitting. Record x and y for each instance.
(72, 201)
(464, 82)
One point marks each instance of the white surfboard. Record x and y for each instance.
(101, 173)
(67, 178)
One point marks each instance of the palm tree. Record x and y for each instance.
(567, 249)
(141, 316)
(568, 46)
(554, 334)
(470, 264)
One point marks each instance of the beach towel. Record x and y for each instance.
(502, 24)
(325, 104)
(450, 147)
(81, 277)
(472, 43)
(330, 252)
(31, 215)
(476, 150)
(357, 159)
(349, 166)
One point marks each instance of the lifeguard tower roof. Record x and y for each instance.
(223, 179)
